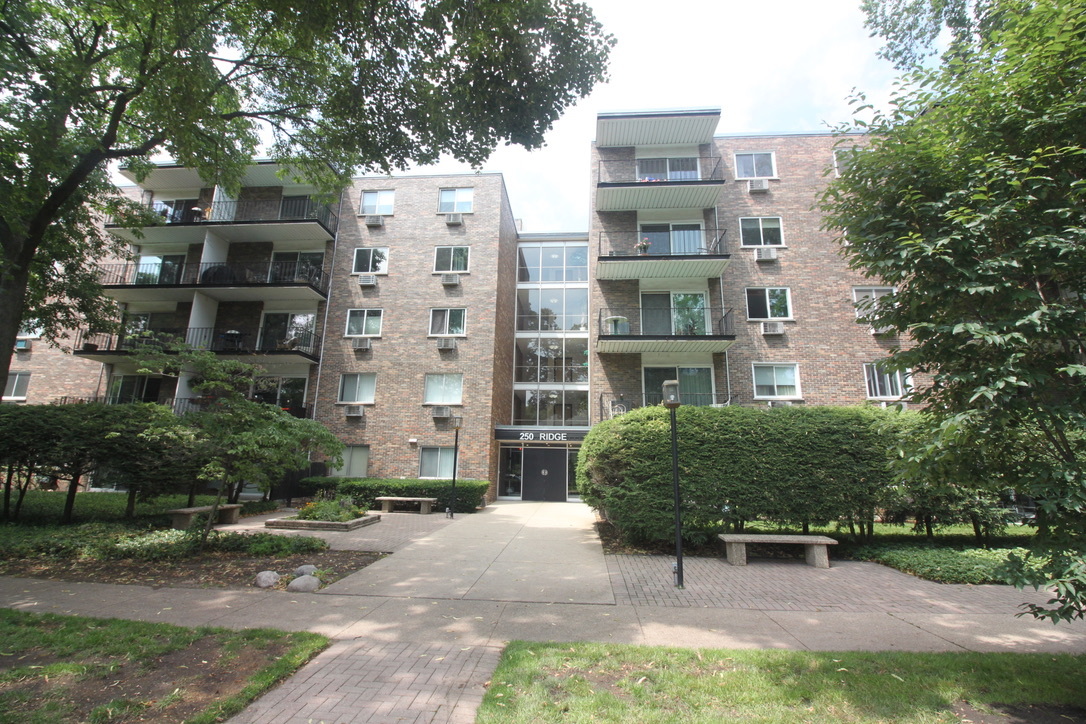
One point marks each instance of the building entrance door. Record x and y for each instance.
(545, 472)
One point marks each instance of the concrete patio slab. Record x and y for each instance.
(565, 622)
(713, 628)
(542, 583)
(1003, 632)
(837, 631)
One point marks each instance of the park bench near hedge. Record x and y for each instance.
(182, 517)
(387, 501)
(815, 547)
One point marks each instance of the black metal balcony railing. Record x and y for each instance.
(268, 273)
(610, 406)
(180, 405)
(706, 168)
(299, 208)
(661, 243)
(216, 339)
(665, 322)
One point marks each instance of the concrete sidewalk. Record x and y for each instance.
(418, 633)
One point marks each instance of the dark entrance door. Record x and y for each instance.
(544, 474)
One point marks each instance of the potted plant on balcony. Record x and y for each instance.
(642, 246)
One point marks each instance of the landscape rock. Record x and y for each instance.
(307, 570)
(304, 584)
(266, 579)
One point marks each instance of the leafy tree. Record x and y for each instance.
(327, 88)
(912, 28)
(971, 200)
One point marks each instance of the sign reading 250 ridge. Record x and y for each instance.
(540, 435)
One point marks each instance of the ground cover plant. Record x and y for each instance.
(59, 669)
(551, 682)
(470, 494)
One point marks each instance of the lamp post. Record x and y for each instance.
(456, 423)
(671, 402)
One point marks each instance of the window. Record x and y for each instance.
(755, 165)
(447, 321)
(867, 300)
(843, 158)
(450, 259)
(443, 389)
(553, 407)
(768, 304)
(551, 360)
(287, 393)
(357, 388)
(667, 169)
(377, 203)
(884, 384)
(552, 263)
(282, 331)
(15, 389)
(761, 231)
(356, 460)
(437, 462)
(364, 322)
(371, 260)
(455, 201)
(776, 381)
(552, 309)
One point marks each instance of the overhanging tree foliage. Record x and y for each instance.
(971, 201)
(333, 85)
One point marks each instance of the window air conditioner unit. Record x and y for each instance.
(367, 280)
(446, 343)
(355, 411)
(758, 185)
(765, 253)
(454, 219)
(375, 221)
(361, 343)
(780, 403)
(440, 411)
(22, 345)
(450, 280)
(772, 328)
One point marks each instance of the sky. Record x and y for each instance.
(771, 66)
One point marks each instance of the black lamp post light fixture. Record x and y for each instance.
(456, 423)
(671, 402)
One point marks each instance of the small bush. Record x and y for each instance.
(470, 494)
(256, 507)
(944, 565)
(338, 510)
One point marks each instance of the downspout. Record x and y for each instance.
(327, 305)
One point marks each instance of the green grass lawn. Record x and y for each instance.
(58, 669)
(538, 682)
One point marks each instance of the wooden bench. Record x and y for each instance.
(814, 546)
(387, 501)
(182, 517)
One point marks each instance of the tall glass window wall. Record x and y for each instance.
(551, 375)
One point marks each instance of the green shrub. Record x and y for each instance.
(256, 507)
(470, 494)
(42, 507)
(339, 510)
(790, 466)
(945, 565)
(280, 546)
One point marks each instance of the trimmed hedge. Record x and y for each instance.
(792, 466)
(470, 494)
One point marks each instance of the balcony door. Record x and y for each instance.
(287, 330)
(285, 392)
(673, 238)
(678, 313)
(164, 269)
(695, 384)
(296, 266)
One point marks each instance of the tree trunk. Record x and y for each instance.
(192, 494)
(929, 529)
(130, 509)
(14, 277)
(69, 500)
(806, 527)
(977, 532)
(23, 487)
(211, 517)
(7, 491)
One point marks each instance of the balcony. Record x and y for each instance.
(659, 183)
(613, 406)
(625, 330)
(237, 343)
(672, 254)
(234, 282)
(180, 405)
(294, 219)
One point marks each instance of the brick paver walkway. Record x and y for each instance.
(767, 585)
(381, 683)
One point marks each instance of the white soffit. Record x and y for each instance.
(646, 128)
(167, 177)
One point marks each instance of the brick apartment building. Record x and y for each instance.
(412, 314)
